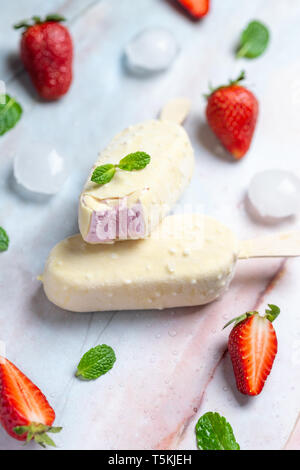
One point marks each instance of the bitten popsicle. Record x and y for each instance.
(188, 260)
(133, 203)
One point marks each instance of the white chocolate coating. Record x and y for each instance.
(155, 189)
(188, 260)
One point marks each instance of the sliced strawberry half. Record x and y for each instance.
(24, 410)
(252, 347)
(197, 8)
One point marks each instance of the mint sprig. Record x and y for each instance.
(133, 162)
(10, 113)
(96, 362)
(38, 433)
(254, 40)
(4, 240)
(213, 432)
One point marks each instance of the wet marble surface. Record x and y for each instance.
(172, 366)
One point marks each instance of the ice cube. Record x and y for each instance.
(151, 50)
(40, 168)
(275, 193)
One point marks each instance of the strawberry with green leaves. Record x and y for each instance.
(25, 412)
(47, 54)
(252, 346)
(232, 112)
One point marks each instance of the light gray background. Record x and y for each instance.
(171, 366)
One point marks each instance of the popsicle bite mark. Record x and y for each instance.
(117, 223)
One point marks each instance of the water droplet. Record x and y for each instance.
(172, 333)
(152, 50)
(275, 193)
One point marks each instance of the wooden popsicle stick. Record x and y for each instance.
(176, 110)
(277, 245)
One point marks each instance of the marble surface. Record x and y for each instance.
(172, 366)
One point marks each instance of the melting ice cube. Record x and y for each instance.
(275, 193)
(151, 50)
(41, 168)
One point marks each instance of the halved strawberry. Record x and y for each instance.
(197, 8)
(252, 347)
(25, 412)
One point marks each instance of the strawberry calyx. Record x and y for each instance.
(38, 20)
(38, 433)
(240, 78)
(271, 314)
(240, 318)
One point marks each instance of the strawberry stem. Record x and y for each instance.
(241, 77)
(241, 318)
(212, 90)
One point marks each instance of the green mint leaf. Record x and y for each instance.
(272, 313)
(134, 161)
(96, 362)
(254, 40)
(10, 113)
(213, 432)
(4, 240)
(103, 174)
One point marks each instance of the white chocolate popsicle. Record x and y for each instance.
(188, 260)
(133, 203)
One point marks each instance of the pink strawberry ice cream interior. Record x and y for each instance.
(117, 223)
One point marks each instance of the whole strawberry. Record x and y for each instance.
(47, 54)
(25, 412)
(232, 112)
(252, 346)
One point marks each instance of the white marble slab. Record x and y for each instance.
(171, 366)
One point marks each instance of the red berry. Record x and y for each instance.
(197, 8)
(232, 114)
(252, 346)
(21, 402)
(47, 54)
